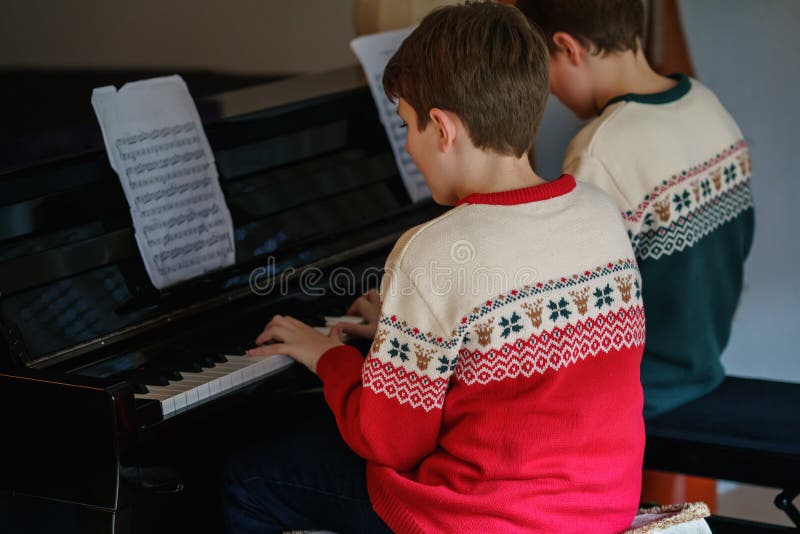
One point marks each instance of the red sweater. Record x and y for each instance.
(515, 412)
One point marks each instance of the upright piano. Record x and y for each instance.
(105, 380)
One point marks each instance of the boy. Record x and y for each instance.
(501, 392)
(678, 168)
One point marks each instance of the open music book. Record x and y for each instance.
(156, 144)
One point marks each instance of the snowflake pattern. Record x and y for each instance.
(603, 296)
(559, 309)
(399, 350)
(682, 201)
(706, 188)
(447, 365)
(510, 325)
(730, 173)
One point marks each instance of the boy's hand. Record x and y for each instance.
(287, 335)
(368, 307)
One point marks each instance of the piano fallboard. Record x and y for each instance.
(108, 375)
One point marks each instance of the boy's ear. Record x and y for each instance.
(571, 47)
(445, 126)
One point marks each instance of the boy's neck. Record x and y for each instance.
(625, 73)
(487, 172)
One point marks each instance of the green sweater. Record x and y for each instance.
(679, 170)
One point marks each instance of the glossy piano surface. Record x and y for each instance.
(101, 368)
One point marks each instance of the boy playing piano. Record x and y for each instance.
(678, 168)
(501, 392)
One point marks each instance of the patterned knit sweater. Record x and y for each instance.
(502, 393)
(679, 170)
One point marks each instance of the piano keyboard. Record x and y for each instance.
(208, 383)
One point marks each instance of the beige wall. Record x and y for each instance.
(257, 36)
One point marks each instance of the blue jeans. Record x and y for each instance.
(304, 477)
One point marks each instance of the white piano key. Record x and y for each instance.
(168, 406)
(152, 396)
(214, 386)
(180, 401)
(199, 387)
(225, 382)
(170, 389)
(236, 378)
(191, 396)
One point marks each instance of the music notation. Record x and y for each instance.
(374, 51)
(156, 143)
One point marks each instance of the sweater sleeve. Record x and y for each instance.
(389, 407)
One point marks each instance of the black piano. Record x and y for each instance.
(107, 383)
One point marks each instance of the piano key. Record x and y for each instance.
(153, 396)
(332, 320)
(206, 360)
(190, 366)
(146, 377)
(137, 385)
(169, 390)
(192, 397)
(164, 368)
(198, 387)
(180, 401)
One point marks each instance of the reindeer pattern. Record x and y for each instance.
(423, 356)
(581, 299)
(485, 332)
(673, 200)
(663, 209)
(624, 284)
(380, 337)
(534, 312)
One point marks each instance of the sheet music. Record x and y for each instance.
(156, 144)
(374, 52)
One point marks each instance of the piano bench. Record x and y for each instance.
(746, 430)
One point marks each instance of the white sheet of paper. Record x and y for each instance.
(374, 52)
(156, 144)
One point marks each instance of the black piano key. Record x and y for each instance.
(146, 378)
(138, 387)
(206, 361)
(188, 365)
(165, 368)
(234, 350)
(219, 349)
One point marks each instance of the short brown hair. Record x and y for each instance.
(599, 25)
(484, 62)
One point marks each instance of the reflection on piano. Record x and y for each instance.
(100, 373)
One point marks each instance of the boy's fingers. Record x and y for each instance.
(373, 297)
(336, 332)
(295, 322)
(279, 319)
(353, 309)
(268, 350)
(360, 330)
(363, 307)
(276, 319)
(273, 332)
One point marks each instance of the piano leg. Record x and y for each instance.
(95, 520)
(100, 521)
